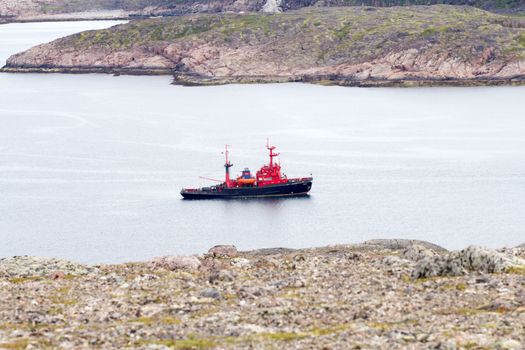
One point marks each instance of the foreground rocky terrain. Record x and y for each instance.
(422, 45)
(394, 294)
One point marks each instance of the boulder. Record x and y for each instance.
(438, 266)
(392, 260)
(211, 293)
(34, 266)
(55, 275)
(223, 251)
(176, 263)
(416, 252)
(473, 258)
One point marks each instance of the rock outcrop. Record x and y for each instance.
(223, 251)
(348, 46)
(458, 263)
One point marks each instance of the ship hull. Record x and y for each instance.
(289, 189)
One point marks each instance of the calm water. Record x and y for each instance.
(91, 165)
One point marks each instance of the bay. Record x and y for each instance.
(91, 165)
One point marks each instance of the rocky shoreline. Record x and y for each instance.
(339, 80)
(69, 17)
(379, 294)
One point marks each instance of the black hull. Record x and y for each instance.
(289, 189)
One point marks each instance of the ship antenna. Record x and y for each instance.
(271, 148)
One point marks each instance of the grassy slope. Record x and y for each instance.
(328, 35)
(494, 5)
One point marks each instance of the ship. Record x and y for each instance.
(267, 182)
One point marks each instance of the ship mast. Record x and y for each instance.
(271, 148)
(227, 166)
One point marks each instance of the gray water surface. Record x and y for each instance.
(91, 165)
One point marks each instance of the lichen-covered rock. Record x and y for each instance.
(392, 260)
(473, 258)
(223, 251)
(416, 252)
(32, 266)
(476, 258)
(438, 266)
(272, 6)
(176, 263)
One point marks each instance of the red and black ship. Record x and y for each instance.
(267, 182)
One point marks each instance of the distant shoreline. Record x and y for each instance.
(109, 15)
(49, 20)
(329, 80)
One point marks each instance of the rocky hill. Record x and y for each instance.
(350, 46)
(28, 10)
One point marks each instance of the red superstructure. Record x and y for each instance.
(269, 174)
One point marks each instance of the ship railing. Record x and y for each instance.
(299, 179)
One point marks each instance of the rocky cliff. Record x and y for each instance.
(349, 46)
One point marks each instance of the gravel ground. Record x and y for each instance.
(340, 297)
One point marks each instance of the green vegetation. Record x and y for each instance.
(15, 345)
(167, 320)
(18, 280)
(519, 270)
